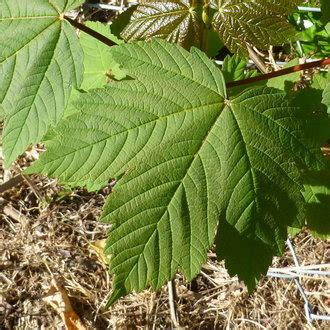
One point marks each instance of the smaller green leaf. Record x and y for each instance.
(213, 43)
(317, 195)
(98, 62)
(234, 68)
(314, 40)
(326, 94)
(325, 8)
(285, 82)
(319, 80)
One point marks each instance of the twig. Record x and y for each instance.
(171, 298)
(118, 8)
(257, 60)
(271, 58)
(33, 187)
(16, 215)
(11, 183)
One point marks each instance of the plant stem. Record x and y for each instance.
(91, 32)
(172, 298)
(205, 27)
(257, 60)
(11, 183)
(279, 73)
(194, 3)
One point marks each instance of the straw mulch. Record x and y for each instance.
(48, 233)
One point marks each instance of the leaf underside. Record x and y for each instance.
(187, 156)
(39, 62)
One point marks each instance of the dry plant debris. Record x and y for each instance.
(48, 233)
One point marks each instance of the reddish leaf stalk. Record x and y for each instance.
(279, 73)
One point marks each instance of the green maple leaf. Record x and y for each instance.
(98, 62)
(326, 93)
(259, 23)
(317, 195)
(325, 7)
(175, 21)
(39, 62)
(234, 68)
(184, 154)
(287, 81)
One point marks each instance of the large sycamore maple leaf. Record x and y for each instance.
(40, 60)
(190, 162)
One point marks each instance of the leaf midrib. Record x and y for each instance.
(179, 184)
(27, 18)
(30, 41)
(33, 100)
(251, 169)
(154, 16)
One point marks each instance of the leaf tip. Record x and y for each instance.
(115, 296)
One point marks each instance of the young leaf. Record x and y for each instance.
(186, 156)
(174, 20)
(39, 62)
(260, 23)
(98, 62)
